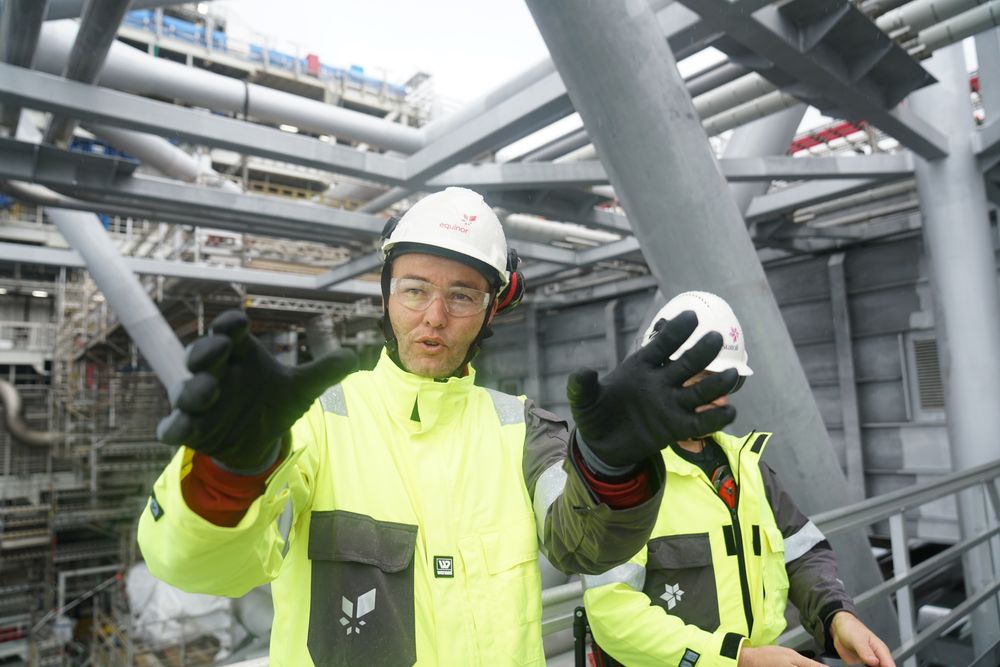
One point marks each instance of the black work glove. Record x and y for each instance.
(240, 400)
(642, 406)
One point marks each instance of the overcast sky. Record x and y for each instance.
(468, 46)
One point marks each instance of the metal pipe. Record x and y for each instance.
(16, 425)
(129, 69)
(98, 29)
(866, 197)
(710, 79)
(533, 228)
(732, 95)
(162, 155)
(557, 147)
(915, 16)
(964, 25)
(125, 294)
(71, 9)
(748, 112)
(20, 25)
(875, 8)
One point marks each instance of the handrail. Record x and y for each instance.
(890, 506)
(882, 507)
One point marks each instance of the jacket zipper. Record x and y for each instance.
(738, 539)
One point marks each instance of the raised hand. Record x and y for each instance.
(240, 401)
(642, 406)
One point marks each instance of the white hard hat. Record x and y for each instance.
(458, 221)
(714, 314)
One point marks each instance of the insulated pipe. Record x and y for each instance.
(558, 147)
(701, 83)
(20, 25)
(745, 113)
(71, 9)
(161, 155)
(129, 69)
(150, 149)
(692, 235)
(915, 16)
(964, 25)
(541, 230)
(98, 29)
(866, 197)
(742, 90)
(876, 8)
(19, 430)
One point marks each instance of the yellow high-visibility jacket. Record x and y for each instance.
(417, 511)
(711, 578)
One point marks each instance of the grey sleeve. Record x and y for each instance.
(814, 584)
(577, 532)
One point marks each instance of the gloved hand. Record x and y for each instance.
(240, 400)
(642, 406)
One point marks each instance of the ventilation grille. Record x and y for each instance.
(929, 385)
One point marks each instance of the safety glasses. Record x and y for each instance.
(418, 295)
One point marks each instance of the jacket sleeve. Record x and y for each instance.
(576, 531)
(191, 553)
(637, 633)
(814, 584)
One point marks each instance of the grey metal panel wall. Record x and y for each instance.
(888, 303)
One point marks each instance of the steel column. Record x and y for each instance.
(966, 300)
(138, 314)
(20, 24)
(845, 376)
(623, 80)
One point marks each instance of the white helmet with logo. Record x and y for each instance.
(458, 222)
(714, 314)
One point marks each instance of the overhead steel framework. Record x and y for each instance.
(639, 176)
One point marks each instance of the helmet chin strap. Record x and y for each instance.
(392, 344)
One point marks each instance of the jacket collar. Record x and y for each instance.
(731, 445)
(438, 401)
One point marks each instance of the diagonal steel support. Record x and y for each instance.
(547, 175)
(766, 33)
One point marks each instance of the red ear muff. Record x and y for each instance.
(512, 294)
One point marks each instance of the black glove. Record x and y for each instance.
(240, 400)
(641, 406)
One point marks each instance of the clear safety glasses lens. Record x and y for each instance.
(419, 294)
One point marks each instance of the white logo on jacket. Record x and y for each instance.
(354, 611)
(672, 595)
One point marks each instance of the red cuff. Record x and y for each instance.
(617, 495)
(219, 496)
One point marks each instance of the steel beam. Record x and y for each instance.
(355, 267)
(16, 252)
(538, 105)
(786, 200)
(548, 175)
(769, 35)
(69, 9)
(20, 25)
(690, 231)
(92, 103)
(112, 177)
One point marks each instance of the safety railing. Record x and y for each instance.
(27, 336)
(558, 602)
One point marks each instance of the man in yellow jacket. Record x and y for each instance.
(400, 512)
(728, 550)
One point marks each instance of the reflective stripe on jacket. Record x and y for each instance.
(709, 576)
(417, 511)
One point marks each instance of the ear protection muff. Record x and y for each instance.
(511, 295)
(387, 230)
